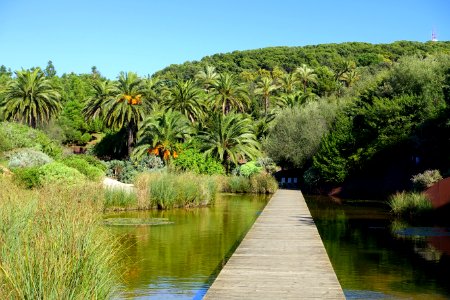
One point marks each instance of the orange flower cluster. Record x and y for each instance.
(161, 150)
(132, 100)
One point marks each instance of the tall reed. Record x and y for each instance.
(410, 203)
(51, 246)
(168, 190)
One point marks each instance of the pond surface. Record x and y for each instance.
(377, 257)
(180, 260)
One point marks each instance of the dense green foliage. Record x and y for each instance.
(193, 160)
(84, 167)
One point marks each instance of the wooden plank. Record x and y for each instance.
(281, 257)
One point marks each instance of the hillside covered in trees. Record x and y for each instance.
(363, 116)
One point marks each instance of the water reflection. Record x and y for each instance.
(180, 260)
(376, 258)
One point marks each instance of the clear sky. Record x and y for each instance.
(147, 35)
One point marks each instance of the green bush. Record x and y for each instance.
(28, 158)
(409, 204)
(194, 161)
(59, 173)
(21, 136)
(249, 169)
(84, 167)
(28, 177)
(94, 161)
(236, 184)
(426, 179)
(126, 170)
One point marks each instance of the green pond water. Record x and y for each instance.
(180, 260)
(374, 256)
(377, 257)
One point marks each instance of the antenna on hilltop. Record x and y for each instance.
(434, 36)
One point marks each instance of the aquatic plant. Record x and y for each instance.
(405, 203)
(51, 246)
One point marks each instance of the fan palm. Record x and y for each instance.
(230, 138)
(161, 134)
(306, 76)
(30, 98)
(228, 94)
(265, 87)
(185, 97)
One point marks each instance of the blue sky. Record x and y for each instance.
(147, 35)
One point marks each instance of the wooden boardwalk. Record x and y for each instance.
(281, 257)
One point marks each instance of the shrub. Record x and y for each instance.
(126, 170)
(409, 204)
(426, 179)
(249, 169)
(236, 184)
(28, 158)
(57, 172)
(94, 161)
(194, 161)
(28, 177)
(21, 136)
(84, 167)
(52, 247)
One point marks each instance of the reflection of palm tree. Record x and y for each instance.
(230, 138)
(185, 97)
(161, 134)
(228, 94)
(265, 87)
(306, 76)
(30, 98)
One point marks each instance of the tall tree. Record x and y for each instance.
(265, 87)
(103, 92)
(185, 97)
(50, 70)
(288, 82)
(30, 98)
(230, 138)
(306, 76)
(229, 94)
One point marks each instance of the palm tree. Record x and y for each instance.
(265, 87)
(230, 138)
(161, 134)
(185, 97)
(30, 98)
(208, 77)
(350, 77)
(288, 82)
(306, 76)
(228, 94)
(103, 92)
(119, 104)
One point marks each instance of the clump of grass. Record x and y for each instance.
(411, 204)
(168, 190)
(51, 246)
(260, 183)
(119, 198)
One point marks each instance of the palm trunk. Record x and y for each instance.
(266, 105)
(130, 130)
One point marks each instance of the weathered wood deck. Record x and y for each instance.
(281, 257)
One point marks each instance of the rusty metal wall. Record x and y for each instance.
(439, 193)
